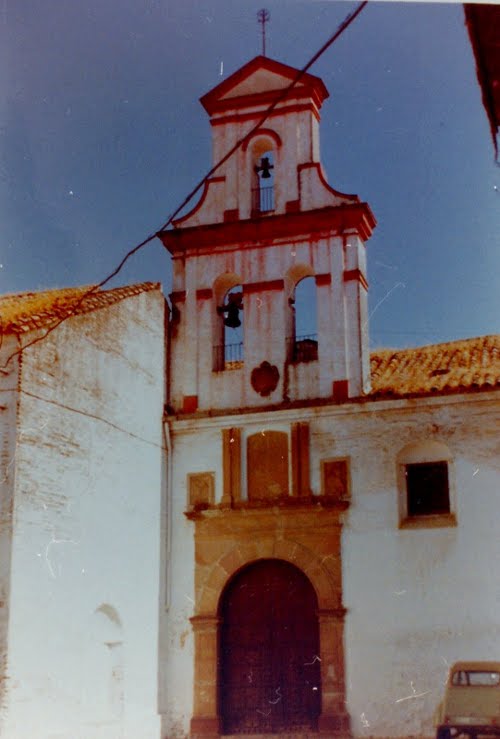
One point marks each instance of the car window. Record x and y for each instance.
(475, 677)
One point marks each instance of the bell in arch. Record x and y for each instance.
(265, 168)
(232, 319)
(232, 310)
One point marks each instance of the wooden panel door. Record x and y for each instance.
(269, 666)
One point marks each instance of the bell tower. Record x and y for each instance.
(265, 222)
(268, 333)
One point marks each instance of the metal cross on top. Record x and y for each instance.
(263, 16)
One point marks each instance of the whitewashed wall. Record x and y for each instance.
(9, 375)
(417, 600)
(176, 639)
(83, 622)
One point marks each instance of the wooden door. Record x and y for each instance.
(269, 666)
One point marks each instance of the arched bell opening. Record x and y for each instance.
(302, 321)
(269, 677)
(229, 329)
(263, 172)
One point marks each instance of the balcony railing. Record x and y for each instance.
(228, 356)
(303, 348)
(263, 199)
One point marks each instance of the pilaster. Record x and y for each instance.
(205, 721)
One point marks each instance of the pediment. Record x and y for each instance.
(262, 80)
(260, 76)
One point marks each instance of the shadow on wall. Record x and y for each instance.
(104, 669)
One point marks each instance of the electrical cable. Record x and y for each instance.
(338, 32)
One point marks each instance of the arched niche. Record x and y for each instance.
(424, 450)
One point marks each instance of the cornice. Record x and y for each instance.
(264, 230)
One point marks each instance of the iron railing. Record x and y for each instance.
(303, 348)
(263, 199)
(228, 356)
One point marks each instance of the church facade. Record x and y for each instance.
(321, 500)
(231, 518)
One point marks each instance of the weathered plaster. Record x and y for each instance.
(85, 574)
(416, 600)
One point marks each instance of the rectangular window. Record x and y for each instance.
(427, 488)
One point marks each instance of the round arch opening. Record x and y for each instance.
(269, 666)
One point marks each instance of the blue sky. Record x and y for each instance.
(102, 136)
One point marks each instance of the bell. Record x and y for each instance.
(265, 168)
(232, 320)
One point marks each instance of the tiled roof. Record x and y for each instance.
(469, 364)
(23, 312)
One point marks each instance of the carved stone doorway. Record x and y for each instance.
(269, 665)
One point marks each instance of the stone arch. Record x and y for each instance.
(211, 585)
(267, 136)
(424, 450)
(316, 557)
(294, 275)
(224, 282)
(228, 565)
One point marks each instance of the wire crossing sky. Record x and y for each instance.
(135, 249)
(102, 134)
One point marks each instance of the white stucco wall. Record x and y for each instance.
(417, 600)
(9, 375)
(176, 637)
(83, 622)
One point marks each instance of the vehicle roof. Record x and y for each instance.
(477, 665)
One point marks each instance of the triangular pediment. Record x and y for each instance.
(260, 76)
(262, 80)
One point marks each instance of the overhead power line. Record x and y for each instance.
(279, 98)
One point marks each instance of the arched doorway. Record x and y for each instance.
(269, 665)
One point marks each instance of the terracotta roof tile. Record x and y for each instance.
(468, 364)
(24, 312)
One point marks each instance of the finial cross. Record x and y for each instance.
(263, 16)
